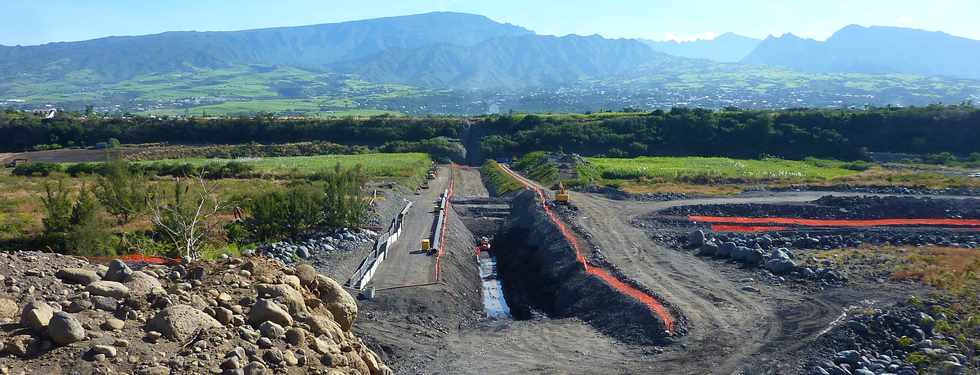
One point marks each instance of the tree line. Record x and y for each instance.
(20, 131)
(789, 134)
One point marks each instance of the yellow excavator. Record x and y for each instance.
(561, 196)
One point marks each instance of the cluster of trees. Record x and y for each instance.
(440, 149)
(303, 206)
(73, 222)
(185, 213)
(790, 134)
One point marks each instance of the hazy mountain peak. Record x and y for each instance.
(727, 47)
(874, 49)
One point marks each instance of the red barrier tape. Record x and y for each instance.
(135, 258)
(655, 306)
(834, 222)
(442, 235)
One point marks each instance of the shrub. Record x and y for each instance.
(74, 226)
(79, 169)
(37, 169)
(121, 191)
(345, 201)
(278, 214)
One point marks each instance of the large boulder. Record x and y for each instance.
(753, 257)
(141, 283)
(293, 298)
(340, 303)
(179, 322)
(695, 239)
(8, 309)
(108, 289)
(64, 329)
(306, 273)
(35, 315)
(780, 266)
(725, 250)
(77, 276)
(118, 271)
(781, 253)
(708, 249)
(740, 253)
(266, 310)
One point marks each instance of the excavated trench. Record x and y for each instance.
(543, 277)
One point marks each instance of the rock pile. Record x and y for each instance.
(763, 254)
(902, 340)
(842, 238)
(342, 240)
(236, 316)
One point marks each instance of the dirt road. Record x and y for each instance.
(405, 265)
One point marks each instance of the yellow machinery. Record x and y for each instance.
(562, 195)
(425, 244)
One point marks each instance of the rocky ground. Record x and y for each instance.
(62, 314)
(897, 339)
(875, 334)
(843, 207)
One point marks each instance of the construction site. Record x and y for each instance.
(558, 281)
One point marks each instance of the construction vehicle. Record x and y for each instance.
(484, 244)
(425, 245)
(431, 175)
(562, 196)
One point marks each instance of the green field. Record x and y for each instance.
(711, 169)
(398, 166)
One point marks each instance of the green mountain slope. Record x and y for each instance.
(310, 47)
(508, 62)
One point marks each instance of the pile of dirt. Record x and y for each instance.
(63, 314)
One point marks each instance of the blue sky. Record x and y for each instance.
(28, 22)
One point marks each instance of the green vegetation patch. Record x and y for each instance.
(394, 165)
(499, 182)
(719, 169)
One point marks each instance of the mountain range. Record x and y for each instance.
(391, 62)
(727, 47)
(877, 49)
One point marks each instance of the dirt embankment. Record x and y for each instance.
(542, 275)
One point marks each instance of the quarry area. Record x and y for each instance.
(456, 279)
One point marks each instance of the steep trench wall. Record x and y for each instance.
(540, 273)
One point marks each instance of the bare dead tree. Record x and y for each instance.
(186, 220)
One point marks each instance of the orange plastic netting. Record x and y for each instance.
(652, 303)
(834, 222)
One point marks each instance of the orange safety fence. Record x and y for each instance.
(834, 222)
(649, 301)
(136, 258)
